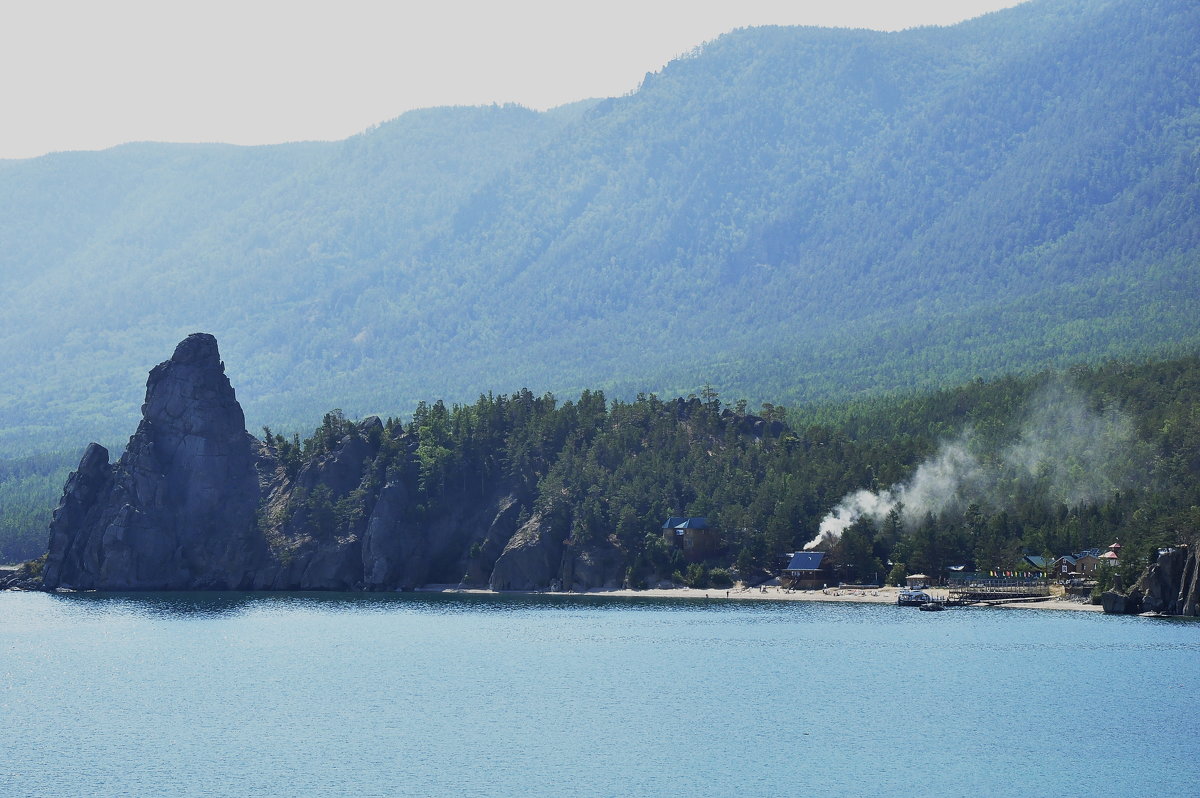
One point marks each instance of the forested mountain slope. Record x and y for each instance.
(785, 214)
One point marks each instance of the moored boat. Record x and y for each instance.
(913, 598)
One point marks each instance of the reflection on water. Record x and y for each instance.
(217, 603)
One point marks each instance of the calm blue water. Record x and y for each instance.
(298, 695)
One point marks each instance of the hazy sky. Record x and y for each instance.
(92, 74)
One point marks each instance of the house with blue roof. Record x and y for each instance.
(807, 570)
(692, 535)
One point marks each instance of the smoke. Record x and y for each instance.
(1066, 452)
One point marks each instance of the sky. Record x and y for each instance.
(84, 75)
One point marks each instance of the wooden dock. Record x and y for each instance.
(999, 591)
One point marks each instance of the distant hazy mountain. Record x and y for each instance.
(785, 214)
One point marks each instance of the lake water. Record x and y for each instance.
(433, 695)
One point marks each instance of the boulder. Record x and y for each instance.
(1116, 603)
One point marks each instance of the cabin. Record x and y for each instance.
(691, 535)
(807, 570)
(1063, 567)
(1087, 561)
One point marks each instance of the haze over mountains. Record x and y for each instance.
(784, 214)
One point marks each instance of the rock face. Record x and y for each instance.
(196, 503)
(177, 511)
(1170, 586)
(532, 558)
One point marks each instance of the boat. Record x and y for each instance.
(932, 606)
(913, 598)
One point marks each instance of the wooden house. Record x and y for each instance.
(693, 536)
(808, 570)
(1087, 561)
(1063, 567)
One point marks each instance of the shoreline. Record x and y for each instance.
(882, 595)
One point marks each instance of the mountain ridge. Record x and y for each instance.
(749, 218)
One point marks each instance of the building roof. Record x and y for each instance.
(1109, 555)
(1068, 559)
(806, 561)
(1036, 560)
(681, 522)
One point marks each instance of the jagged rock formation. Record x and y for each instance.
(1170, 586)
(196, 502)
(177, 510)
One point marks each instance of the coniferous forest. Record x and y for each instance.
(1112, 453)
(952, 252)
(1107, 453)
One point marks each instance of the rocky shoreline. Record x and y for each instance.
(1169, 586)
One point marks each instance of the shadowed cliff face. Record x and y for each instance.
(177, 510)
(197, 503)
(1169, 586)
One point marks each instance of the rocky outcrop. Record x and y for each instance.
(531, 559)
(311, 549)
(484, 552)
(1115, 602)
(196, 503)
(1170, 586)
(177, 511)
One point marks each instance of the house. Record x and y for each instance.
(1112, 556)
(807, 570)
(692, 535)
(1086, 562)
(1063, 567)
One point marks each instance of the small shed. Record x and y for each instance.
(807, 570)
(693, 535)
(916, 580)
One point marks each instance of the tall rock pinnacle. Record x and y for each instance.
(177, 510)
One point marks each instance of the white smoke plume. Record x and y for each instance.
(951, 478)
(1066, 453)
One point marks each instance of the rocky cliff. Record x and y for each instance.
(177, 510)
(196, 502)
(1170, 586)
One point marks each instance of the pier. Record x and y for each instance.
(998, 591)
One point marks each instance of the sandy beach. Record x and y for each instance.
(882, 595)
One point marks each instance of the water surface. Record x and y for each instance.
(431, 695)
